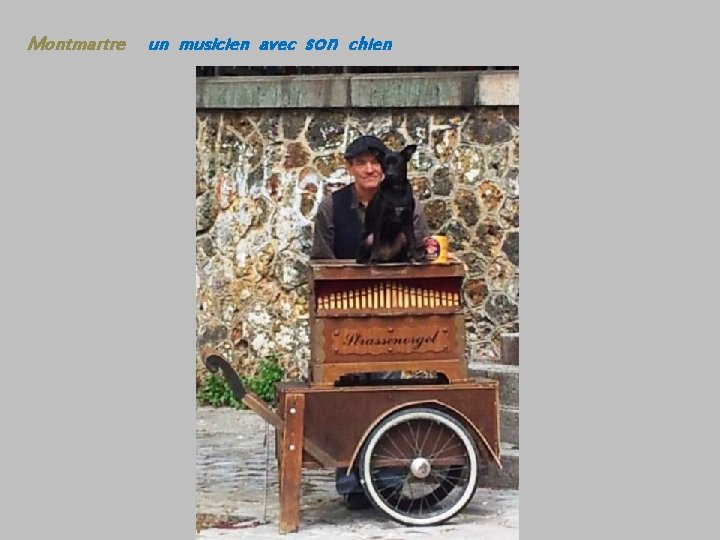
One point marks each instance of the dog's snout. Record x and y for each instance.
(392, 166)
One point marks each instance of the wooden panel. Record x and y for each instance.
(386, 340)
(337, 417)
(335, 269)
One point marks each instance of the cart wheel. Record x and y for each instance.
(420, 466)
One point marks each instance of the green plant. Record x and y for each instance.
(216, 392)
(267, 374)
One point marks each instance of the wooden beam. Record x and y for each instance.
(291, 463)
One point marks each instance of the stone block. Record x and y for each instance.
(507, 376)
(510, 425)
(498, 88)
(509, 476)
(511, 349)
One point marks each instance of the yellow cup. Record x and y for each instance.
(436, 249)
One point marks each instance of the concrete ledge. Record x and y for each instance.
(272, 92)
(397, 90)
(414, 90)
(507, 376)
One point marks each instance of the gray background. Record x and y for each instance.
(98, 315)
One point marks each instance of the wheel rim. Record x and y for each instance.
(419, 466)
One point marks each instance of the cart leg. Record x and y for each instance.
(291, 463)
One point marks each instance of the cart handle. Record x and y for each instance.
(214, 362)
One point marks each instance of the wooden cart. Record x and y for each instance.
(420, 443)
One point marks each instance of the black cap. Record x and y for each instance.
(365, 144)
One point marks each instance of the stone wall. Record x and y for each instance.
(261, 175)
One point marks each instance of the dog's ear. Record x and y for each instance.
(408, 151)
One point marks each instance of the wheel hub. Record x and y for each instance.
(420, 467)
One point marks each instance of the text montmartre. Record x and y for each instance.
(45, 44)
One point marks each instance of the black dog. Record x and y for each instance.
(388, 234)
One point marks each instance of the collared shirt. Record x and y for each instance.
(324, 233)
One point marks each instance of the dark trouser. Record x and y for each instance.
(387, 477)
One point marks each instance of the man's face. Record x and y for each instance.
(366, 171)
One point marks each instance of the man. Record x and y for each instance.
(340, 217)
(338, 226)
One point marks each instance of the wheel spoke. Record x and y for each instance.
(386, 456)
(437, 441)
(410, 443)
(427, 434)
(446, 446)
(392, 441)
(416, 437)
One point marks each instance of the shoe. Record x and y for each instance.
(347, 483)
(356, 501)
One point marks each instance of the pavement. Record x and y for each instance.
(237, 493)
